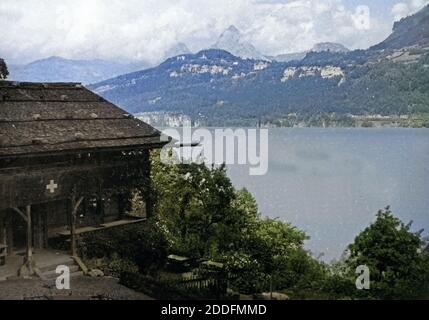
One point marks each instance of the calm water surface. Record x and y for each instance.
(331, 182)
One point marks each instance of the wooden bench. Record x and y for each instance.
(3, 254)
(103, 226)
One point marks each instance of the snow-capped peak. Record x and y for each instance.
(232, 29)
(232, 41)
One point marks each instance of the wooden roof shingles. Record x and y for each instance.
(59, 117)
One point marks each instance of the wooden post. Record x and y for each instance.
(29, 240)
(73, 212)
(29, 256)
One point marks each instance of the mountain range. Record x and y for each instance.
(58, 69)
(234, 83)
(410, 31)
(220, 88)
(318, 47)
(231, 40)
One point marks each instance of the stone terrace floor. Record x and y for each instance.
(81, 288)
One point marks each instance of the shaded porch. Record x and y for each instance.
(40, 235)
(43, 259)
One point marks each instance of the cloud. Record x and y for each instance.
(402, 9)
(145, 29)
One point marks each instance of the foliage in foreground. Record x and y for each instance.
(397, 258)
(199, 214)
(207, 218)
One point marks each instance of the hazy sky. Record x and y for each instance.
(145, 29)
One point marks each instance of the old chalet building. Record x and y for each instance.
(68, 162)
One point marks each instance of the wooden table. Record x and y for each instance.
(3, 254)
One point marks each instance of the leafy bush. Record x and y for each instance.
(142, 243)
(199, 214)
(396, 257)
(117, 266)
(205, 217)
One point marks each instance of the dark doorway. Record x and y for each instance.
(19, 229)
(19, 232)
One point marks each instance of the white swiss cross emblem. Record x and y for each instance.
(52, 186)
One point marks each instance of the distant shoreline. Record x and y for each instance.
(293, 120)
(278, 128)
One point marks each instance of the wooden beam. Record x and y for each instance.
(22, 214)
(148, 146)
(27, 268)
(78, 203)
(29, 254)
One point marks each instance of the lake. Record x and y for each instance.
(332, 182)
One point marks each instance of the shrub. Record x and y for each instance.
(117, 266)
(142, 244)
(395, 256)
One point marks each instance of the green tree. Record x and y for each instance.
(273, 258)
(395, 256)
(3, 69)
(206, 217)
(194, 201)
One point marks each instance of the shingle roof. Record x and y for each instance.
(57, 117)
